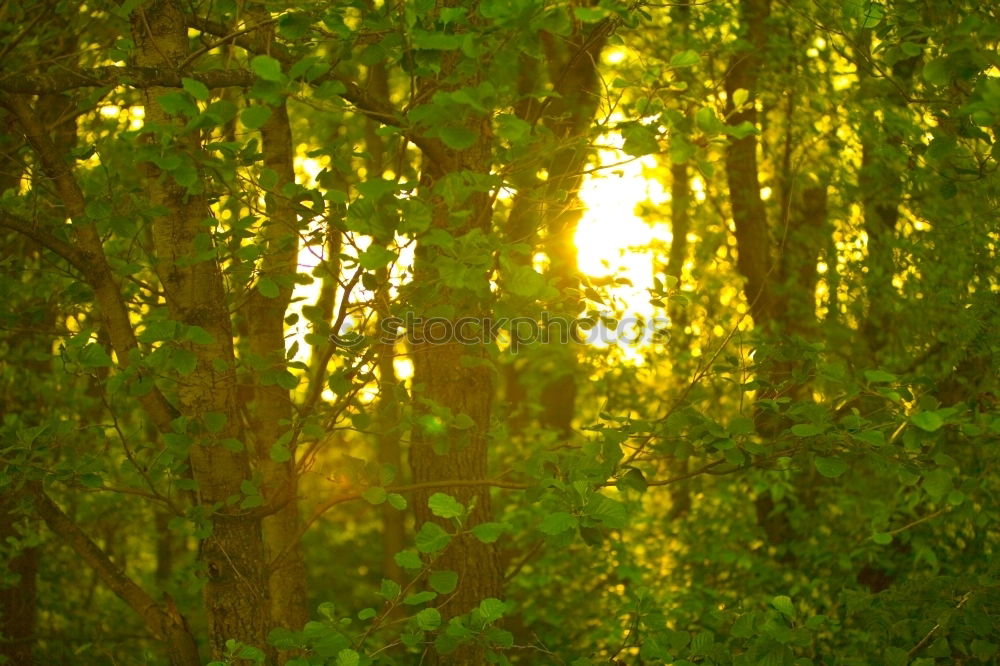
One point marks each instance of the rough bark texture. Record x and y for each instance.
(388, 446)
(749, 215)
(236, 592)
(18, 601)
(455, 376)
(271, 411)
(753, 241)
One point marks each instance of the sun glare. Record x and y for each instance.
(611, 240)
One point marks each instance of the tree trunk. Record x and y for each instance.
(18, 602)
(749, 215)
(236, 592)
(455, 377)
(271, 411)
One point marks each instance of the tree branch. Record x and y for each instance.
(165, 623)
(114, 311)
(43, 238)
(379, 110)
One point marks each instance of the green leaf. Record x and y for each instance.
(397, 501)
(267, 287)
(491, 609)
(254, 117)
(390, 589)
(431, 538)
(633, 479)
(984, 650)
(348, 657)
(375, 495)
(376, 188)
(871, 437)
(488, 532)
(784, 605)
(872, 15)
(830, 467)
(287, 380)
(936, 73)
(557, 523)
(94, 356)
(457, 138)
(687, 58)
(184, 361)
(408, 560)
(268, 179)
(196, 89)
(882, 538)
(741, 131)
(419, 598)
(266, 68)
(279, 453)
(590, 14)
(445, 506)
(610, 512)
(443, 582)
(91, 480)
(639, 139)
(176, 103)
(512, 128)
(214, 421)
(185, 175)
(681, 150)
(376, 257)
(743, 627)
(232, 444)
(807, 430)
(199, 336)
(435, 41)
(429, 619)
(293, 25)
(879, 376)
(707, 121)
(927, 421)
(937, 482)
(526, 282)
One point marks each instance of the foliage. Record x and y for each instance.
(218, 447)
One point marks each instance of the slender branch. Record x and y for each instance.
(930, 634)
(114, 310)
(918, 521)
(164, 623)
(43, 238)
(223, 41)
(507, 485)
(373, 107)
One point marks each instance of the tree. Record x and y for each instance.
(280, 286)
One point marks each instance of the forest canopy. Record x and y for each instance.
(499, 332)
